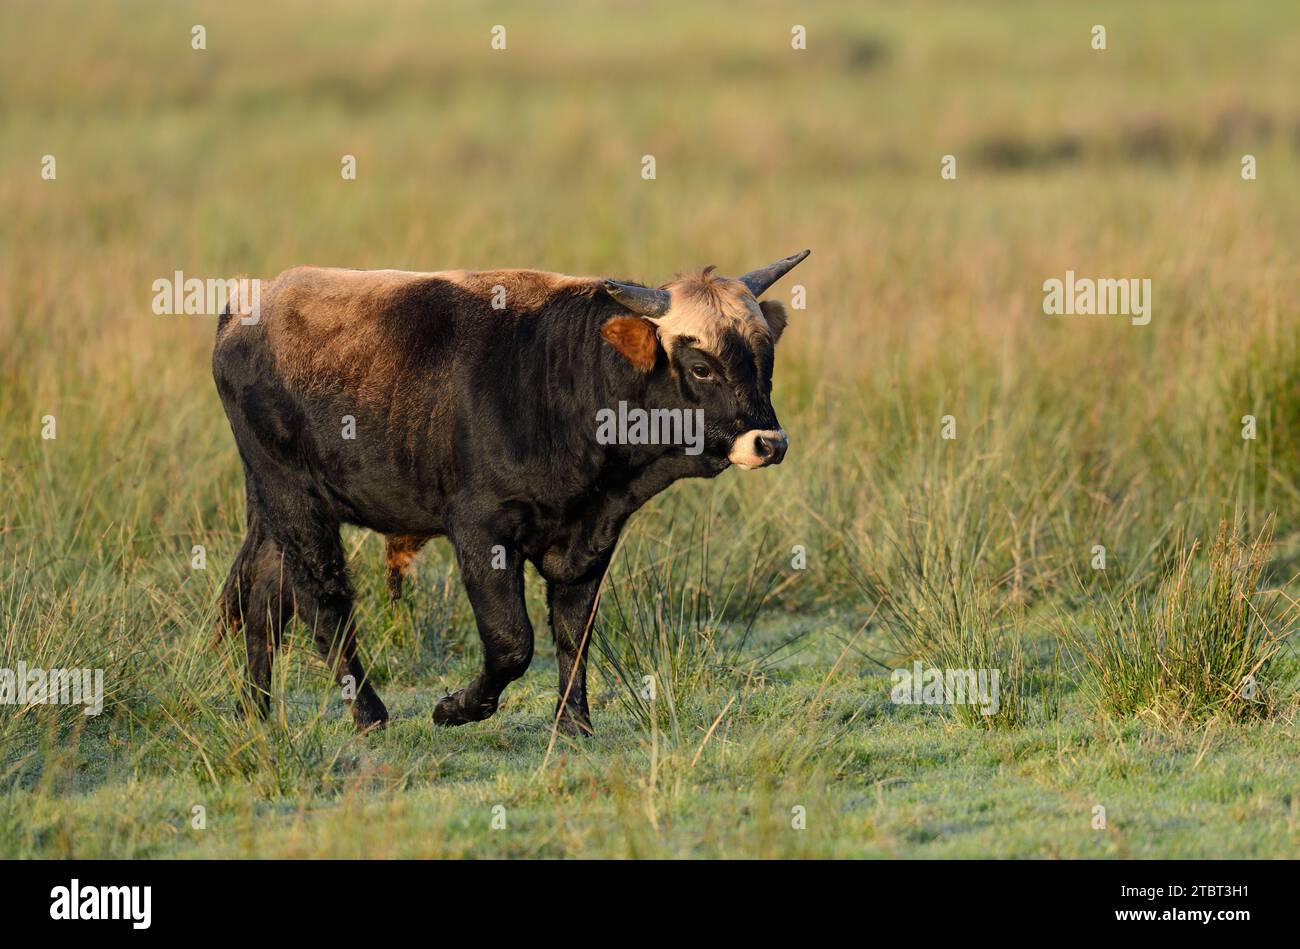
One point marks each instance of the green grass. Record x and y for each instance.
(923, 301)
(874, 780)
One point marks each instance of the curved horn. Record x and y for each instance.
(640, 300)
(759, 280)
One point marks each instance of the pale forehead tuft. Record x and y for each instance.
(706, 305)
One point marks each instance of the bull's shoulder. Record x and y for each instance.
(511, 291)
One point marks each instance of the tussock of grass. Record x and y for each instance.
(1201, 646)
(675, 627)
(942, 607)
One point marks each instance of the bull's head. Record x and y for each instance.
(705, 341)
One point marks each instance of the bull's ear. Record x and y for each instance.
(774, 313)
(635, 338)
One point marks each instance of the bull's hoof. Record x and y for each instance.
(448, 712)
(369, 716)
(451, 710)
(576, 723)
(259, 705)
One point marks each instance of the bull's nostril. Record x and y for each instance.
(758, 449)
(777, 445)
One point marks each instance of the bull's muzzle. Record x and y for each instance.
(758, 449)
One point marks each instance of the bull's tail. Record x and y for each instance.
(239, 302)
(226, 312)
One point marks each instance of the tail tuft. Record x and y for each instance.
(224, 317)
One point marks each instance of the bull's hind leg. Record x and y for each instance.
(315, 563)
(254, 602)
(497, 596)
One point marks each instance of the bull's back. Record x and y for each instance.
(362, 330)
(348, 378)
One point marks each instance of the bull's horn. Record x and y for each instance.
(641, 300)
(759, 280)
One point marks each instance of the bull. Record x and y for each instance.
(463, 404)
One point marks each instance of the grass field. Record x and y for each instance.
(1122, 687)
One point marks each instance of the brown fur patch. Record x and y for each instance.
(321, 323)
(634, 338)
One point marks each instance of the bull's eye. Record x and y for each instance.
(701, 371)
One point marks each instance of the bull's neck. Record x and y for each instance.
(598, 378)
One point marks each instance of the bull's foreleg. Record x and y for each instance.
(573, 607)
(493, 573)
(574, 573)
